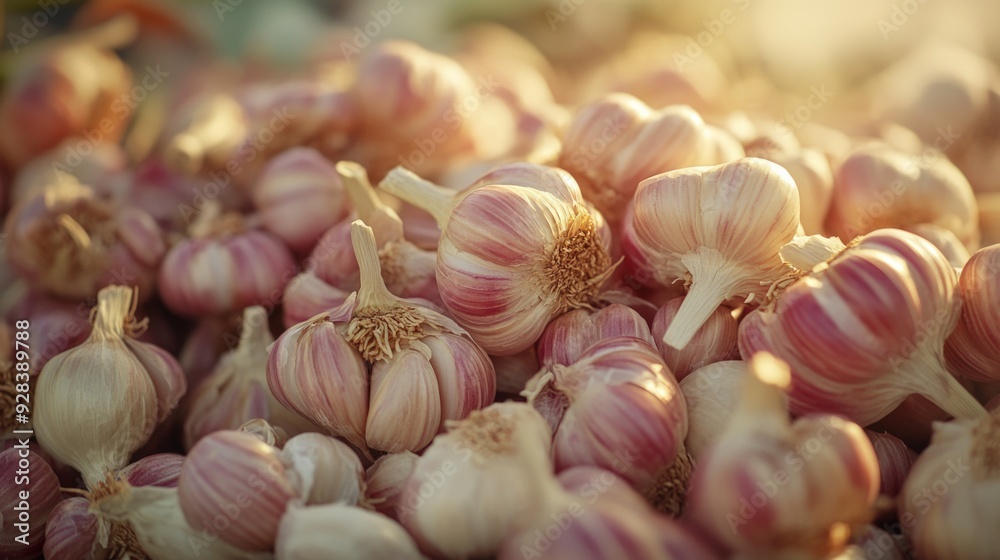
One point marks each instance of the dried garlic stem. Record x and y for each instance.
(367, 204)
(577, 264)
(113, 317)
(255, 334)
(211, 221)
(712, 282)
(421, 193)
(382, 324)
(927, 364)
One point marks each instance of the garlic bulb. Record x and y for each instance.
(568, 336)
(30, 492)
(599, 516)
(616, 142)
(94, 422)
(511, 258)
(224, 267)
(973, 348)
(71, 242)
(948, 505)
(866, 330)
(328, 470)
(504, 441)
(55, 95)
(894, 462)
(236, 391)
(336, 530)
(320, 368)
(879, 187)
(425, 125)
(332, 270)
(714, 341)
(712, 393)
(228, 474)
(299, 196)
(619, 408)
(751, 488)
(385, 479)
(718, 229)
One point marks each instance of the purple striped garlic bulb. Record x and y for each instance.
(718, 229)
(380, 371)
(513, 255)
(619, 408)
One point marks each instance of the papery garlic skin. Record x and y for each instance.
(242, 479)
(335, 530)
(508, 441)
(750, 489)
(618, 408)
(973, 348)
(712, 393)
(871, 324)
(948, 505)
(718, 229)
(96, 428)
(328, 470)
(714, 341)
(385, 479)
(28, 496)
(568, 336)
(299, 197)
(511, 258)
(599, 516)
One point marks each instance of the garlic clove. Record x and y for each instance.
(712, 393)
(228, 473)
(331, 531)
(328, 470)
(714, 341)
(71, 532)
(810, 169)
(313, 371)
(404, 412)
(464, 375)
(26, 502)
(164, 371)
(894, 460)
(568, 336)
(945, 241)
(972, 350)
(384, 481)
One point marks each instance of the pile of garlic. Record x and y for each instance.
(442, 315)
